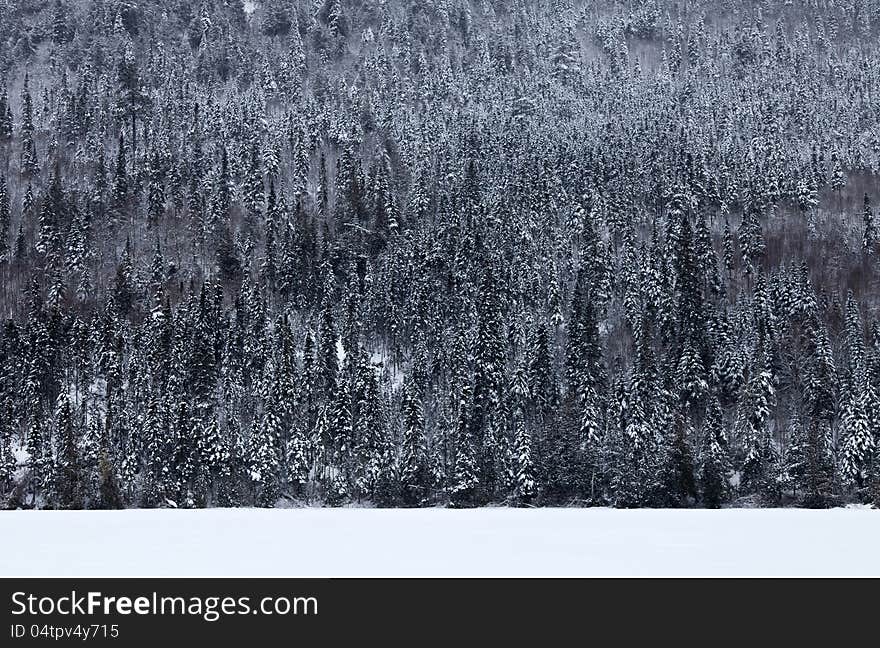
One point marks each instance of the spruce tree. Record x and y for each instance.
(68, 469)
(133, 101)
(109, 493)
(120, 177)
(37, 456)
(869, 233)
(29, 161)
(755, 408)
(751, 236)
(155, 189)
(525, 487)
(856, 441)
(714, 460)
(264, 455)
(464, 480)
(5, 221)
(541, 375)
(489, 378)
(414, 477)
(5, 116)
(838, 176)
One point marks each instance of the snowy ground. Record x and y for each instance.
(438, 542)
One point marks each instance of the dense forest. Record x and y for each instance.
(439, 252)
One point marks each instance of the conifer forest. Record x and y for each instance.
(439, 253)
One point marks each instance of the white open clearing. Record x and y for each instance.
(439, 542)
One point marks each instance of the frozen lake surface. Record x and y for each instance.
(440, 542)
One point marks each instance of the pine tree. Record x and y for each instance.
(714, 461)
(52, 217)
(727, 239)
(298, 460)
(120, 177)
(37, 455)
(336, 19)
(464, 480)
(386, 221)
(214, 455)
(338, 427)
(689, 300)
(857, 442)
(691, 376)
(817, 480)
(109, 493)
(541, 375)
(706, 256)
(855, 341)
(8, 465)
(631, 441)
(414, 476)
(674, 484)
(821, 381)
(565, 58)
(4, 221)
(489, 376)
(370, 433)
(584, 369)
(754, 415)
(29, 164)
(124, 288)
(60, 30)
(807, 194)
(68, 476)
(254, 195)
(268, 266)
(751, 236)
(328, 355)
(276, 20)
(869, 234)
(525, 487)
(133, 101)
(264, 455)
(838, 176)
(155, 189)
(5, 116)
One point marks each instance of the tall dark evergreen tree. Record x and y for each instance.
(869, 234)
(68, 469)
(29, 161)
(414, 475)
(5, 221)
(714, 460)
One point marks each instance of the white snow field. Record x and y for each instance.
(438, 542)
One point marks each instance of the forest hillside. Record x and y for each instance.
(439, 252)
